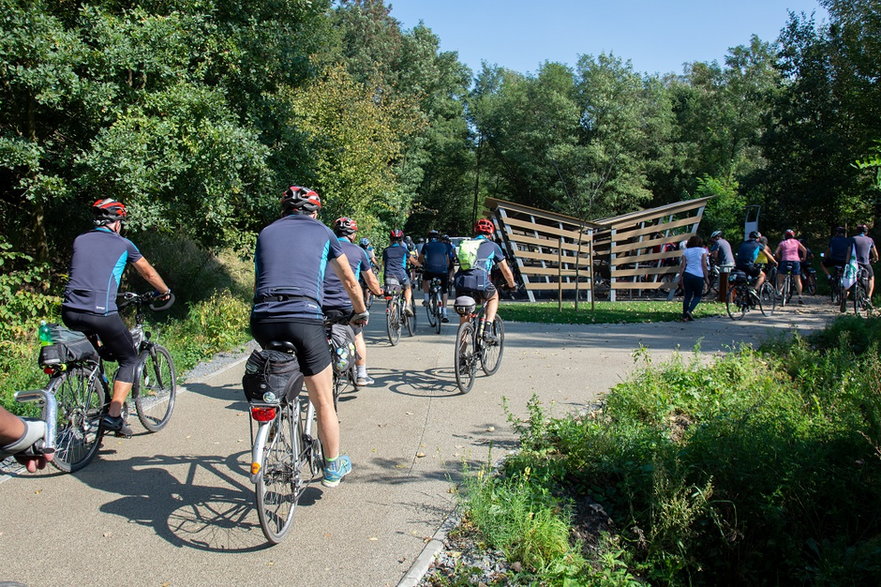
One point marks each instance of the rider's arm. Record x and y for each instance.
(14, 430)
(151, 276)
(347, 278)
(506, 272)
(771, 257)
(873, 255)
(372, 282)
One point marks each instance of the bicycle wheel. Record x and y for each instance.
(755, 301)
(785, 296)
(311, 452)
(436, 301)
(393, 321)
(431, 311)
(861, 305)
(842, 299)
(410, 321)
(277, 486)
(368, 298)
(80, 399)
(735, 305)
(768, 297)
(810, 284)
(156, 388)
(491, 352)
(465, 360)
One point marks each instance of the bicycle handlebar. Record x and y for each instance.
(128, 298)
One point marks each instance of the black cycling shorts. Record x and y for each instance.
(868, 268)
(443, 277)
(750, 269)
(307, 336)
(114, 336)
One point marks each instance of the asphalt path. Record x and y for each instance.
(176, 508)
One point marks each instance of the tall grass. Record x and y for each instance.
(763, 467)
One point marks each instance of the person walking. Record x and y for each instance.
(693, 271)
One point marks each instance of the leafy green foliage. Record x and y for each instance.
(605, 313)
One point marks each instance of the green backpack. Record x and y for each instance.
(467, 253)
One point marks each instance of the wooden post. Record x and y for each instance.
(560, 275)
(593, 306)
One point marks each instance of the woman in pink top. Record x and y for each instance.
(790, 252)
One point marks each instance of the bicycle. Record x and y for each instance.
(741, 297)
(862, 305)
(282, 445)
(78, 381)
(341, 340)
(471, 344)
(395, 316)
(435, 304)
(788, 289)
(836, 292)
(808, 280)
(711, 282)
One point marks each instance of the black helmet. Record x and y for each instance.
(755, 234)
(300, 198)
(433, 234)
(840, 230)
(344, 226)
(107, 211)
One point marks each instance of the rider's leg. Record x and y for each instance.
(425, 284)
(871, 289)
(320, 388)
(492, 305)
(121, 390)
(408, 298)
(760, 280)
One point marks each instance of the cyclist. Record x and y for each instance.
(17, 435)
(720, 249)
(437, 260)
(99, 259)
(336, 301)
(836, 252)
(396, 260)
(412, 256)
(747, 254)
(287, 305)
(364, 243)
(806, 263)
(790, 252)
(475, 282)
(864, 247)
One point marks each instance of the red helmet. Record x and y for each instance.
(108, 210)
(789, 233)
(345, 226)
(299, 198)
(396, 234)
(484, 226)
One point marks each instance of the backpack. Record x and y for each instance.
(467, 253)
(274, 372)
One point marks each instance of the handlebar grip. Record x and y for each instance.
(164, 306)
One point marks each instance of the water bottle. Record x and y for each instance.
(45, 334)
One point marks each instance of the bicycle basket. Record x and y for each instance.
(464, 305)
(70, 346)
(737, 276)
(270, 376)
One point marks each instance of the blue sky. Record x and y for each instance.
(657, 36)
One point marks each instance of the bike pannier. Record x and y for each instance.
(392, 286)
(472, 280)
(342, 339)
(69, 346)
(737, 276)
(270, 376)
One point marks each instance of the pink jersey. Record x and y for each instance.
(789, 250)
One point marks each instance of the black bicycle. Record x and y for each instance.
(434, 309)
(82, 390)
(477, 343)
(396, 317)
(341, 340)
(742, 298)
(859, 293)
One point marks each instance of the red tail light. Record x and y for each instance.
(263, 414)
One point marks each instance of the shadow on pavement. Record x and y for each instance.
(162, 492)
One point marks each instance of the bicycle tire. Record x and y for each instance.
(465, 357)
(491, 354)
(80, 399)
(393, 321)
(842, 300)
(784, 291)
(861, 305)
(736, 310)
(756, 300)
(769, 297)
(410, 322)
(277, 487)
(311, 451)
(438, 313)
(156, 388)
(810, 284)
(431, 311)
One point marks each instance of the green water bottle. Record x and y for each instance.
(45, 334)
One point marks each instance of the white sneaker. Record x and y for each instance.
(363, 380)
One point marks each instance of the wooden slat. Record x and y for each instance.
(551, 271)
(552, 258)
(630, 259)
(648, 244)
(582, 285)
(557, 232)
(494, 203)
(547, 243)
(624, 234)
(645, 271)
(639, 285)
(625, 220)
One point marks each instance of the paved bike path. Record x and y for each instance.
(176, 508)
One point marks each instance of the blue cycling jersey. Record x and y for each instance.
(438, 256)
(748, 251)
(99, 258)
(394, 259)
(335, 295)
(290, 265)
(839, 247)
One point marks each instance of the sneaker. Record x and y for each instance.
(335, 471)
(408, 310)
(489, 337)
(689, 317)
(115, 424)
(444, 319)
(801, 302)
(364, 380)
(424, 303)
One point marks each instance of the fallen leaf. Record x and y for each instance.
(491, 428)
(107, 534)
(38, 492)
(420, 454)
(373, 538)
(400, 466)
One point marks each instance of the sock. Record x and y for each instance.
(361, 370)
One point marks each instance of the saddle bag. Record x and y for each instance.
(69, 346)
(272, 376)
(342, 340)
(737, 276)
(392, 286)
